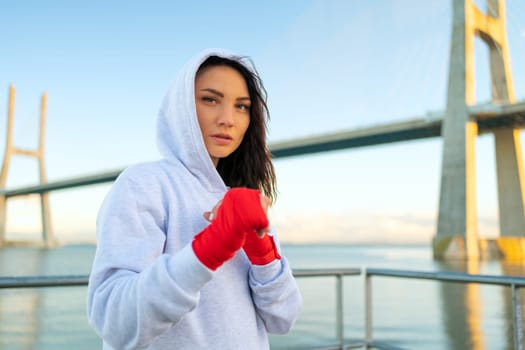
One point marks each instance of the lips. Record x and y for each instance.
(221, 138)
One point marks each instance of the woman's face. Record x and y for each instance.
(223, 109)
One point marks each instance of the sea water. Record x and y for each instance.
(414, 314)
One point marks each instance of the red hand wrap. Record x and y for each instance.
(239, 212)
(260, 251)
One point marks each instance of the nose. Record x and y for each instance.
(226, 116)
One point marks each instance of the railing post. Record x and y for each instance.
(517, 319)
(339, 310)
(3, 216)
(368, 308)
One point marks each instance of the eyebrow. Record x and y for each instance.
(220, 94)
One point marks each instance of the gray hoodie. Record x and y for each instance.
(147, 289)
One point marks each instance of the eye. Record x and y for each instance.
(208, 99)
(243, 107)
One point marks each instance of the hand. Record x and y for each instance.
(265, 203)
(241, 211)
(260, 250)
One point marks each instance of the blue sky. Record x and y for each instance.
(327, 65)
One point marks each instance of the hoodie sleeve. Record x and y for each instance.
(275, 294)
(135, 291)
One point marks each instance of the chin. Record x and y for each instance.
(221, 155)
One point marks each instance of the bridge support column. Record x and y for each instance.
(5, 165)
(511, 194)
(10, 151)
(457, 224)
(509, 157)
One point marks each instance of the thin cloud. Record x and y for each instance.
(323, 227)
(393, 228)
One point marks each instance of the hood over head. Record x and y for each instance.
(179, 136)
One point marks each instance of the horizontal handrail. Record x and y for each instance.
(82, 280)
(449, 277)
(43, 281)
(326, 272)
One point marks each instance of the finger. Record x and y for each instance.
(262, 232)
(209, 215)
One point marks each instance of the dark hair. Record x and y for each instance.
(250, 165)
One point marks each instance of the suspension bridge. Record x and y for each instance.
(458, 124)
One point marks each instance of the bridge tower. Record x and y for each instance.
(457, 234)
(10, 151)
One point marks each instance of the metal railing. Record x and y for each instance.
(43, 281)
(339, 300)
(515, 283)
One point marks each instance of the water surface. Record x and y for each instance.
(408, 313)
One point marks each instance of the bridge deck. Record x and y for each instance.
(489, 117)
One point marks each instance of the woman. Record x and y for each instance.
(184, 258)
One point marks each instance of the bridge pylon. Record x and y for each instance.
(457, 232)
(10, 151)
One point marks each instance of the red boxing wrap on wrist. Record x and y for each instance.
(260, 251)
(240, 212)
